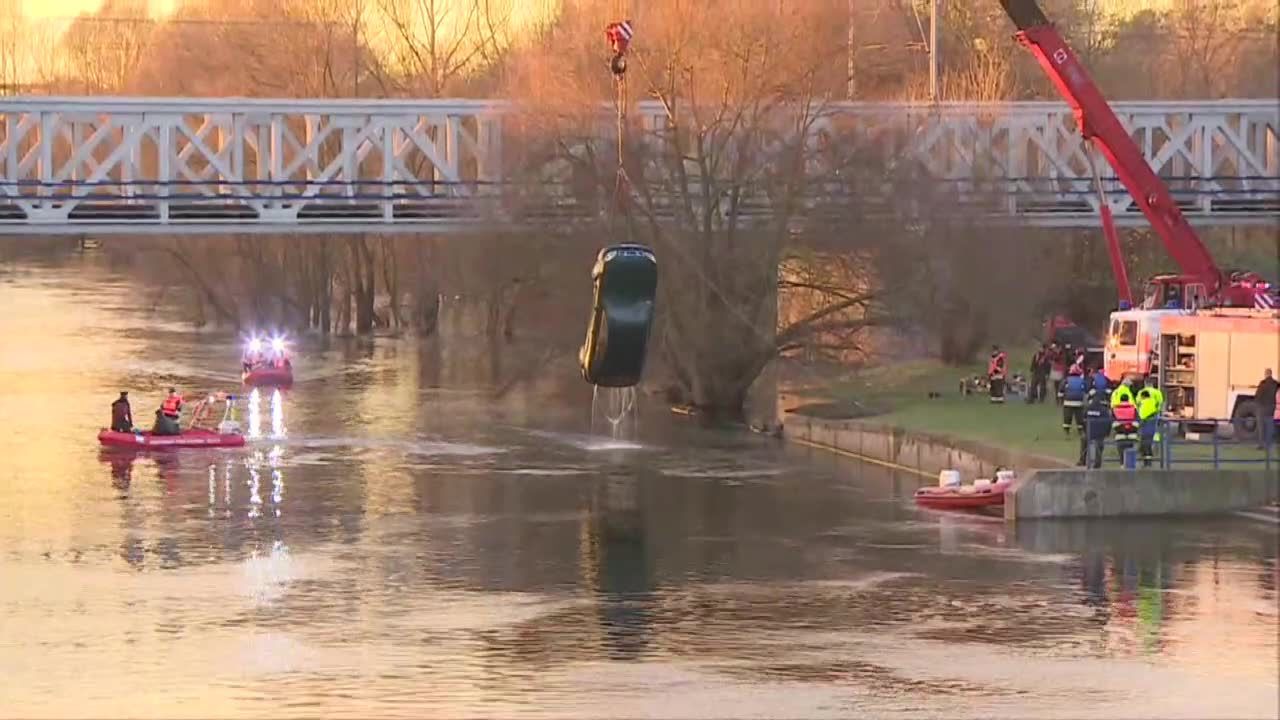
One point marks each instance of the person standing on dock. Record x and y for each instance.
(1099, 383)
(1073, 394)
(1124, 419)
(1122, 393)
(1265, 398)
(1097, 419)
(997, 369)
(1150, 403)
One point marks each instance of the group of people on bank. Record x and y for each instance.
(1053, 363)
(167, 415)
(1096, 411)
(1133, 418)
(1089, 404)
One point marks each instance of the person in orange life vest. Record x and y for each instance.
(1124, 423)
(997, 367)
(168, 414)
(172, 405)
(1073, 397)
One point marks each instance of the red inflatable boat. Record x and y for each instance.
(269, 376)
(191, 438)
(962, 497)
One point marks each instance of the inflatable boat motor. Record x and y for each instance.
(626, 281)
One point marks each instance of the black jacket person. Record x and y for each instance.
(1097, 419)
(1265, 398)
(122, 414)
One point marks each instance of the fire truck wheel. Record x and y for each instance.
(1245, 419)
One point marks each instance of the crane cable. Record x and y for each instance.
(621, 402)
(620, 34)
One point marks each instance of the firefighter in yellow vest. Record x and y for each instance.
(1122, 393)
(1150, 403)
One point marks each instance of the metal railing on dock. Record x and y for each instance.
(1182, 444)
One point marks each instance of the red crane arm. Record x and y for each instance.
(1099, 124)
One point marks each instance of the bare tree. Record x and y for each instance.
(12, 61)
(433, 44)
(103, 51)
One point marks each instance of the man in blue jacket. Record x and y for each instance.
(1073, 395)
(1100, 383)
(1097, 418)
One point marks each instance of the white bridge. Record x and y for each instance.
(135, 165)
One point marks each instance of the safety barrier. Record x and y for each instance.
(1181, 445)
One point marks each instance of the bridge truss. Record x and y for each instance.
(135, 165)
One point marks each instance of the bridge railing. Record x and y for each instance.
(68, 164)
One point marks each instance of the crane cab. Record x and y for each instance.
(1174, 292)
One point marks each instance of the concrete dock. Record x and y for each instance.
(1046, 487)
(1113, 493)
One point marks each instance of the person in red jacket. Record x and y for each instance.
(997, 370)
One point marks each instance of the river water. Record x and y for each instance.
(394, 543)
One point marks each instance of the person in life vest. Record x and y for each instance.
(1124, 420)
(1150, 402)
(1073, 396)
(1124, 392)
(997, 368)
(168, 414)
(1097, 420)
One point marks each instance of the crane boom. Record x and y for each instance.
(1099, 124)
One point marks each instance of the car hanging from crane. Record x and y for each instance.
(625, 276)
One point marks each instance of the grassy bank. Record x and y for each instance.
(899, 396)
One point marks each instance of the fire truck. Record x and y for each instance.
(1209, 363)
(1206, 333)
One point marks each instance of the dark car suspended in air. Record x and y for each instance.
(626, 282)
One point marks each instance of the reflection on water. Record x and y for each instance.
(405, 549)
(254, 412)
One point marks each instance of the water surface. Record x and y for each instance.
(395, 543)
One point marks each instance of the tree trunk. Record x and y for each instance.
(363, 288)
